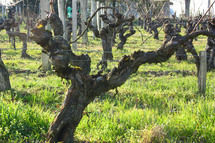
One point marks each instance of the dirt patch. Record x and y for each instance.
(18, 71)
(171, 73)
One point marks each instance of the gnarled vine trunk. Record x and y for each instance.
(10, 24)
(106, 34)
(85, 87)
(23, 38)
(65, 123)
(107, 44)
(123, 37)
(4, 76)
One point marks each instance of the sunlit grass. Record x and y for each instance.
(159, 103)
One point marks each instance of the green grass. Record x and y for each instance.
(157, 104)
(21, 122)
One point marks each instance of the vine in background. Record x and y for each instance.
(88, 23)
(202, 17)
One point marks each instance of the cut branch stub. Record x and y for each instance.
(59, 50)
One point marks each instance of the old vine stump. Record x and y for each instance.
(4, 77)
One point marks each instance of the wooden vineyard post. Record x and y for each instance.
(97, 16)
(84, 19)
(62, 15)
(202, 72)
(44, 6)
(74, 23)
(93, 9)
(102, 12)
(2, 10)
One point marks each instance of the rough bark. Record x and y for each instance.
(56, 24)
(19, 22)
(154, 28)
(181, 54)
(123, 38)
(204, 25)
(79, 24)
(106, 34)
(210, 48)
(4, 76)
(170, 32)
(60, 51)
(12, 40)
(190, 48)
(69, 29)
(189, 44)
(65, 123)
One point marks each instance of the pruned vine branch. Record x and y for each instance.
(152, 34)
(90, 19)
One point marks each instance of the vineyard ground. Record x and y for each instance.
(160, 103)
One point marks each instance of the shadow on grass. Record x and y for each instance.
(25, 97)
(13, 70)
(165, 73)
(141, 100)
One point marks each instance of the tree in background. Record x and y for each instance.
(187, 8)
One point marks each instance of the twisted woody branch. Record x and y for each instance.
(106, 34)
(8, 25)
(85, 87)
